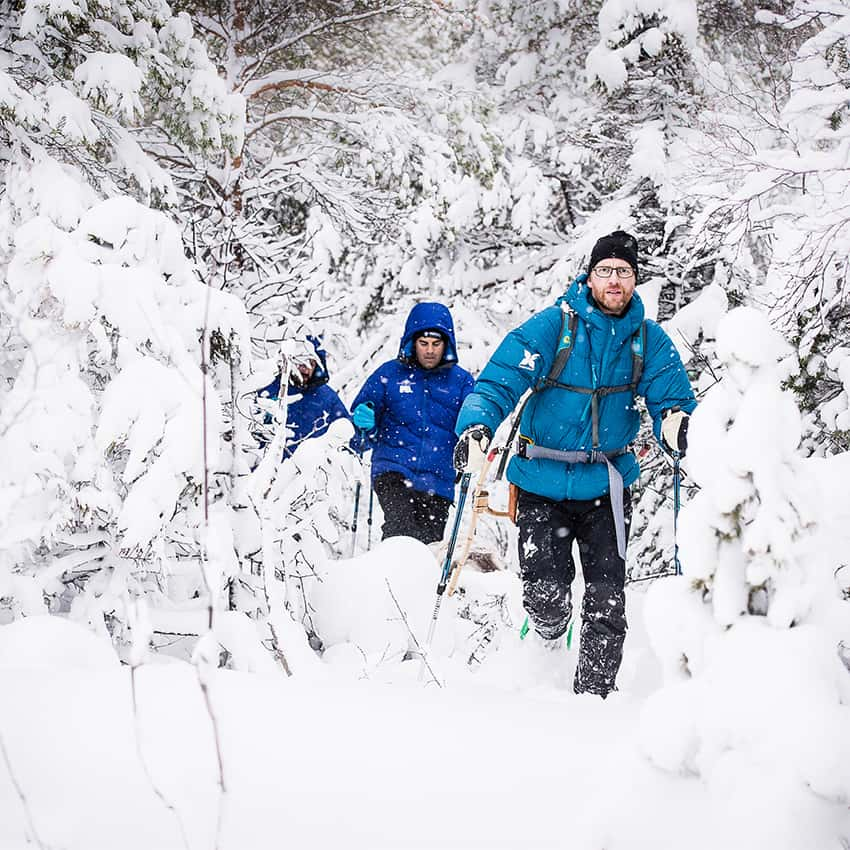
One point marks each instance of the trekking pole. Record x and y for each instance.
(354, 522)
(447, 563)
(357, 488)
(677, 487)
(369, 516)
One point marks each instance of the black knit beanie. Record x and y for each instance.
(430, 333)
(619, 244)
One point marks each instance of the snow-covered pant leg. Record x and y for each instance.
(409, 512)
(603, 629)
(546, 563)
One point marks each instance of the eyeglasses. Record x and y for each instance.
(623, 272)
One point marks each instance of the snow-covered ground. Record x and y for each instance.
(361, 750)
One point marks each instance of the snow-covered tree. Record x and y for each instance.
(740, 532)
(733, 197)
(811, 258)
(331, 150)
(112, 427)
(772, 158)
(748, 635)
(289, 525)
(83, 84)
(644, 70)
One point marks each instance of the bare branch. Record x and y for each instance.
(222, 787)
(308, 78)
(329, 24)
(423, 654)
(341, 118)
(20, 792)
(159, 793)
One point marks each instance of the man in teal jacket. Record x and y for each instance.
(584, 361)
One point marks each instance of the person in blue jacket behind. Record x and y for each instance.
(406, 411)
(314, 405)
(573, 465)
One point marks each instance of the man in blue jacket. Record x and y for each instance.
(314, 404)
(407, 409)
(584, 361)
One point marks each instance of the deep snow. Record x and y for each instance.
(360, 751)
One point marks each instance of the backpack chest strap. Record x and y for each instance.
(595, 395)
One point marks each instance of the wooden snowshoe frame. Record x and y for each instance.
(481, 505)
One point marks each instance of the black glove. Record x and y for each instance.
(674, 430)
(471, 449)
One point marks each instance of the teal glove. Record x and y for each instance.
(364, 417)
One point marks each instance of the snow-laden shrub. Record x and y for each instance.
(132, 64)
(110, 426)
(635, 30)
(287, 522)
(756, 693)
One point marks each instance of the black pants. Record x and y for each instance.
(409, 512)
(547, 530)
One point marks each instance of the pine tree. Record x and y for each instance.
(105, 404)
(754, 622)
(326, 164)
(811, 256)
(741, 532)
(646, 80)
(772, 186)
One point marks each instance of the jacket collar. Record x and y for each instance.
(580, 298)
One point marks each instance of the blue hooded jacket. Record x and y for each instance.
(416, 408)
(561, 419)
(318, 405)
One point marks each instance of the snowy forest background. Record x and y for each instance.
(190, 189)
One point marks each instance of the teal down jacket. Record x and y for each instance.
(559, 418)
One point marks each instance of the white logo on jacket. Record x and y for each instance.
(405, 387)
(528, 360)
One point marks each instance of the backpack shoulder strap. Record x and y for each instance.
(566, 341)
(638, 354)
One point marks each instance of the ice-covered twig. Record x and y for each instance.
(203, 664)
(273, 603)
(205, 655)
(420, 651)
(142, 631)
(20, 792)
(146, 767)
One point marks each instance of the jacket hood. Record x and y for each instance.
(320, 374)
(580, 298)
(428, 316)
